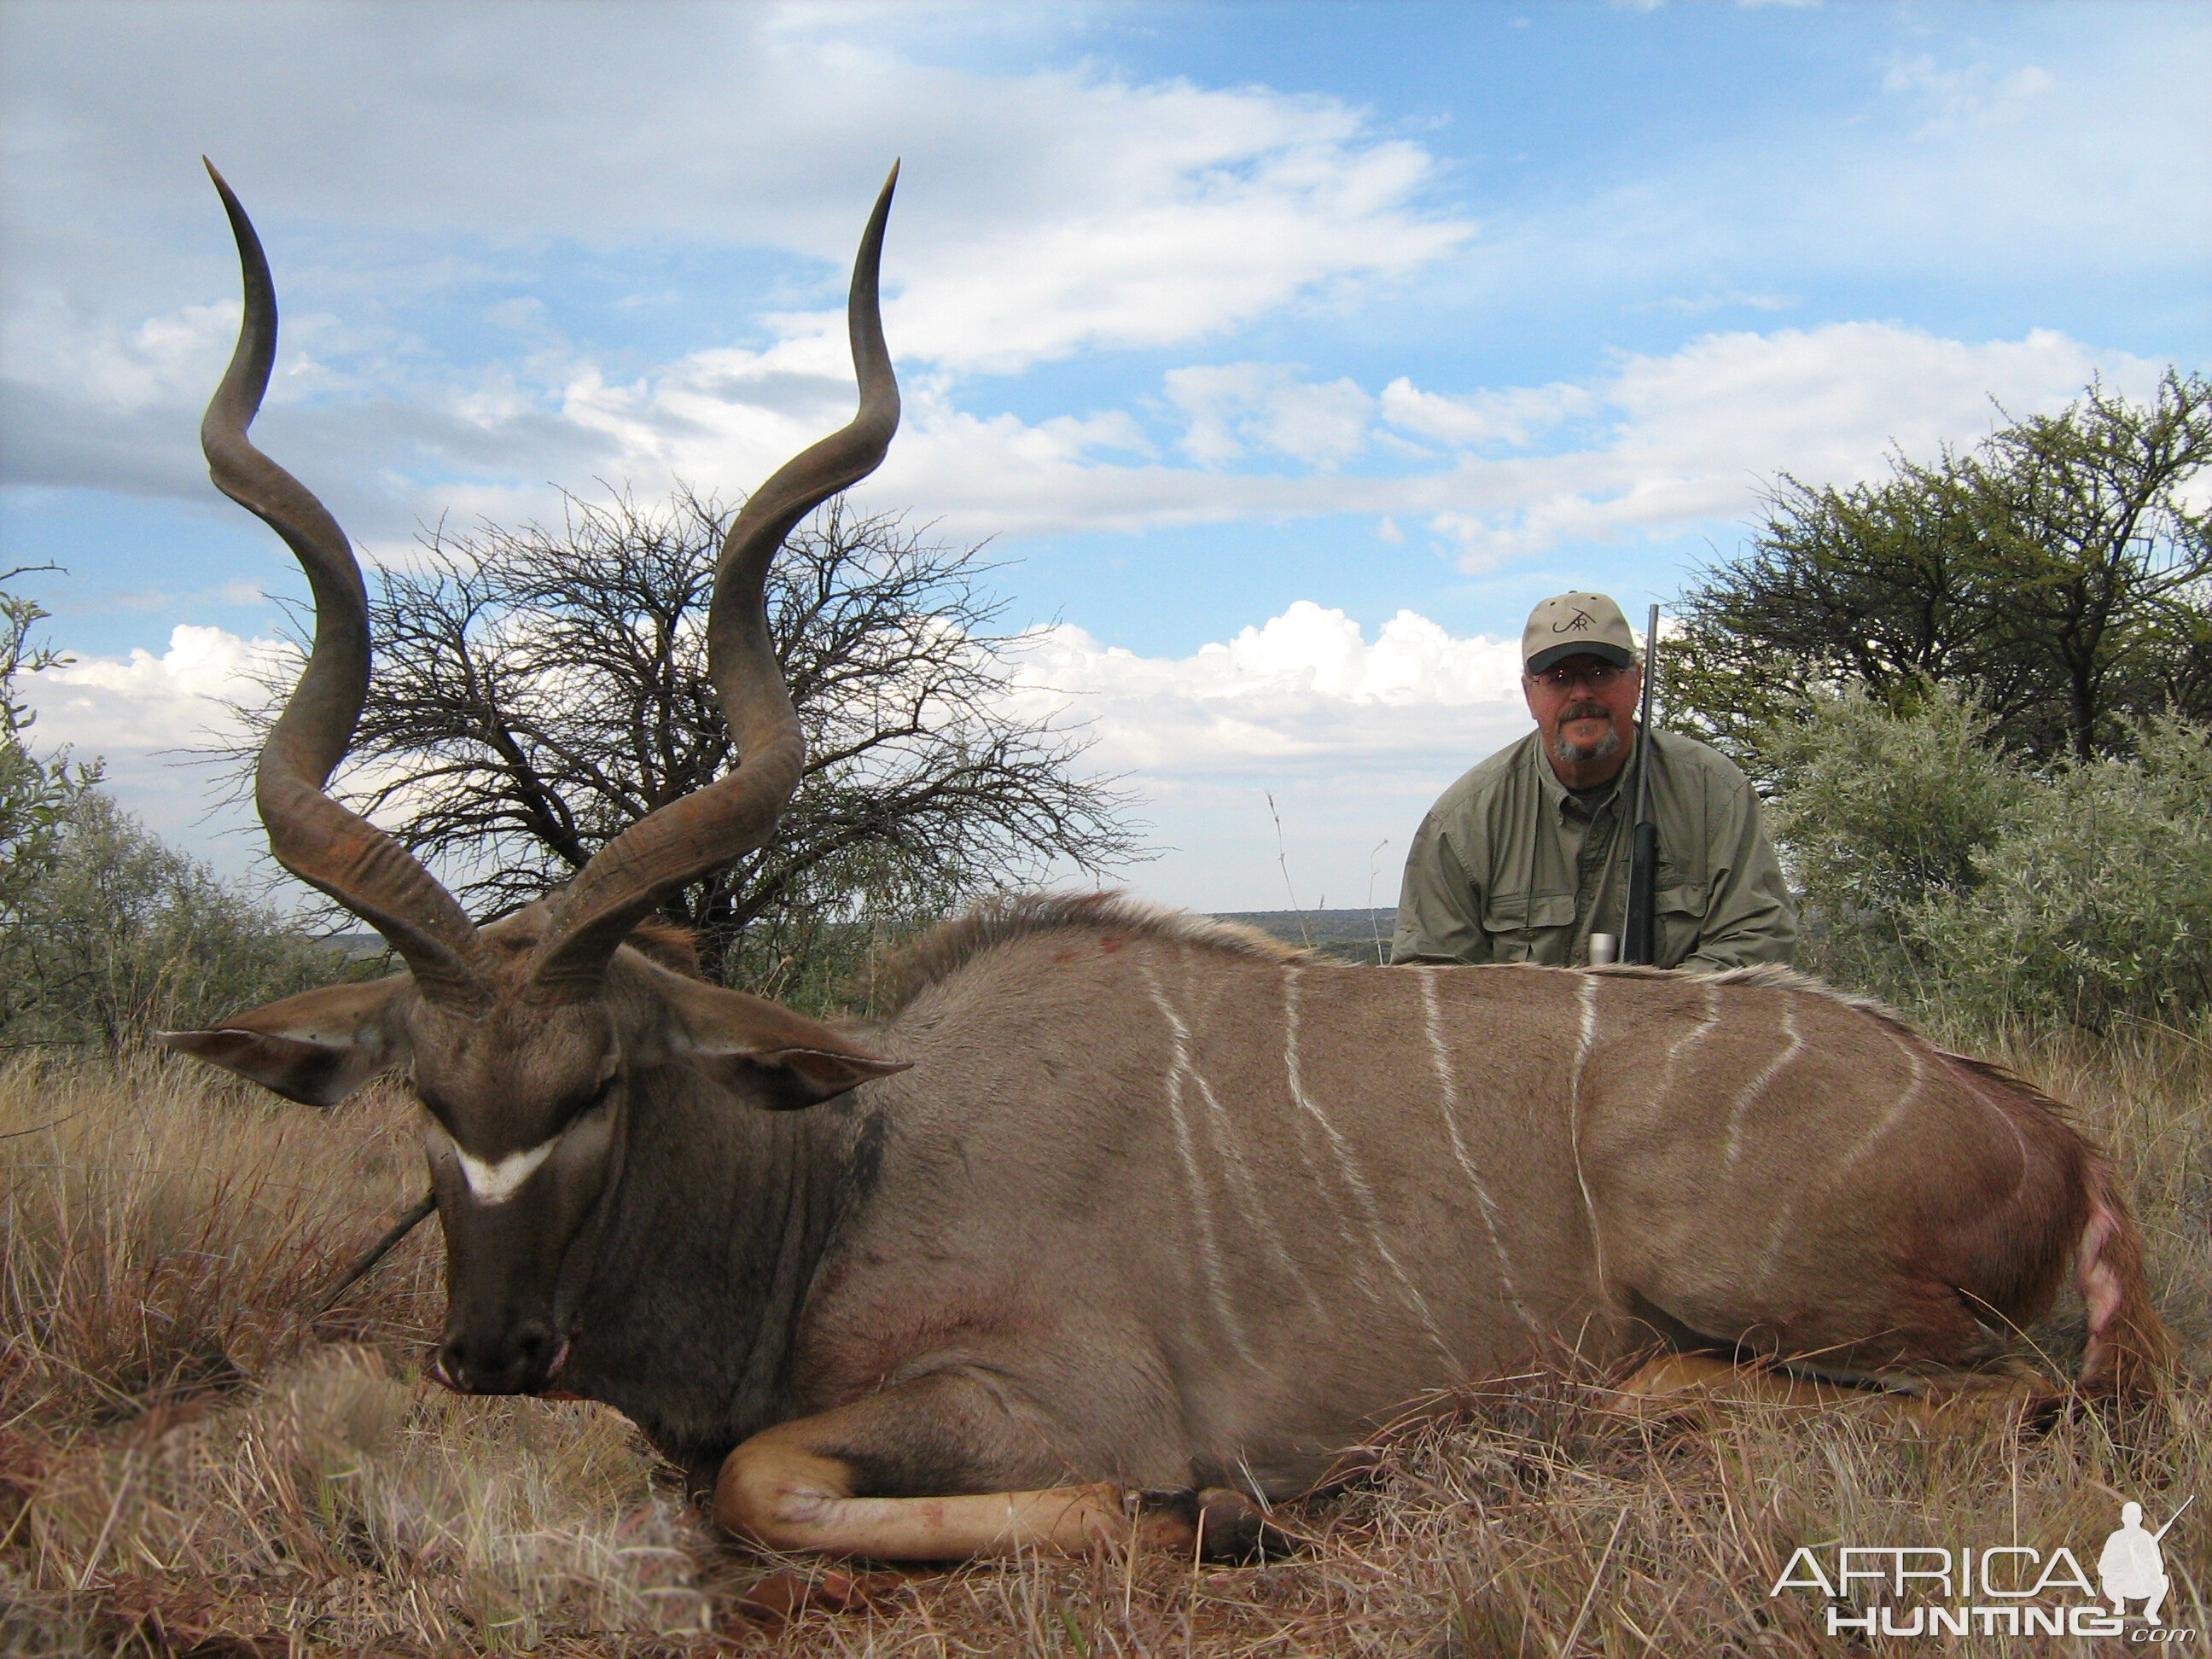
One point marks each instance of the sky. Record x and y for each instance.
(1284, 354)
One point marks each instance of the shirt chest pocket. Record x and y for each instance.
(1527, 926)
(1679, 913)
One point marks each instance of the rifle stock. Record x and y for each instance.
(1639, 932)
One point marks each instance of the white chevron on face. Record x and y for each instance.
(495, 1184)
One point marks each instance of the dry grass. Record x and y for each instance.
(190, 1464)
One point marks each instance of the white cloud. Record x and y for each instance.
(140, 713)
(1041, 213)
(1289, 764)
(1660, 443)
(1234, 408)
(107, 705)
(1350, 736)
(1301, 695)
(1512, 417)
(1693, 432)
(1974, 94)
(1199, 210)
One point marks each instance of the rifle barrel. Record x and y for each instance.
(1639, 940)
(2171, 1519)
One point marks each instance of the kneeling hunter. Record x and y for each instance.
(1528, 854)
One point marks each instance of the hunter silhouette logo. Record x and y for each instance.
(1575, 624)
(2131, 1566)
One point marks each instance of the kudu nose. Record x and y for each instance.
(517, 1361)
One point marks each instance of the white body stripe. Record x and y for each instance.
(1236, 1171)
(1695, 1034)
(494, 1184)
(1448, 1092)
(1201, 1207)
(1353, 1180)
(1777, 1230)
(1758, 1086)
(1585, 1039)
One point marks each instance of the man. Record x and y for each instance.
(1527, 854)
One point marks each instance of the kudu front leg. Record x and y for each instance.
(824, 1483)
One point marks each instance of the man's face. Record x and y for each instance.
(1586, 709)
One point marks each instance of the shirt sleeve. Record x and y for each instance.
(1439, 908)
(1750, 918)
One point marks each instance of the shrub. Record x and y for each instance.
(36, 793)
(1875, 813)
(1935, 873)
(2095, 901)
(120, 934)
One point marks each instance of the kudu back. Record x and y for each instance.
(1123, 1220)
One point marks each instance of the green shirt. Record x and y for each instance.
(1510, 865)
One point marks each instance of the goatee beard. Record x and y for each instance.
(1568, 752)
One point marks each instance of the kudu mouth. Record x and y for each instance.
(455, 1366)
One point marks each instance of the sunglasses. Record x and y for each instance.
(1597, 677)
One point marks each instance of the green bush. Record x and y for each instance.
(1935, 873)
(1878, 808)
(1876, 812)
(2095, 901)
(119, 934)
(36, 793)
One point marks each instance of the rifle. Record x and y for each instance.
(1640, 933)
(2171, 1519)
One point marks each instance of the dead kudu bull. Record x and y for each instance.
(1122, 1215)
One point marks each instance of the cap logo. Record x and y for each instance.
(1574, 624)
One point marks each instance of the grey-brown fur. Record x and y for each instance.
(1293, 1282)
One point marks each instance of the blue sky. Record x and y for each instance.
(1288, 352)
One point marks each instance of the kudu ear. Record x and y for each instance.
(767, 1053)
(316, 1048)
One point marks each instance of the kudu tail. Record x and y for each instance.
(2128, 1347)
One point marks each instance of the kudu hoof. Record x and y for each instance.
(1219, 1522)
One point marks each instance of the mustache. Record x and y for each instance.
(1584, 710)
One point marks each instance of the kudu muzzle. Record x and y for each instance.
(517, 1261)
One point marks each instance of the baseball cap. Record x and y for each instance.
(1575, 625)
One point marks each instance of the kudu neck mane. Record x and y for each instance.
(943, 951)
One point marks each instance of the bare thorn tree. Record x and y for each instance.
(537, 690)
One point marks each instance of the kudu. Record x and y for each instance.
(1122, 1219)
